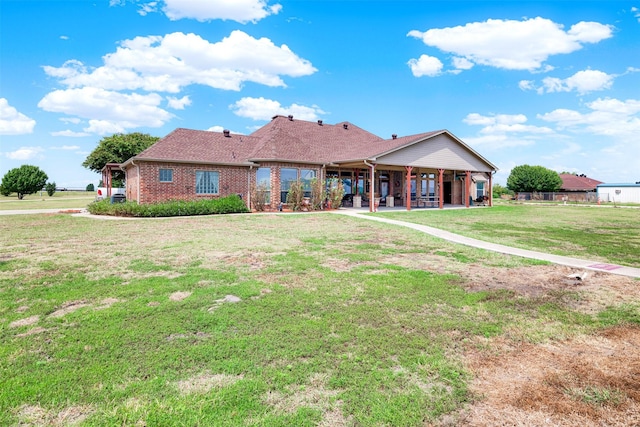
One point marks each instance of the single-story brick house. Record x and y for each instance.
(576, 187)
(427, 169)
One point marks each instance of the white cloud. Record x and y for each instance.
(242, 11)
(13, 122)
(147, 8)
(220, 129)
(107, 111)
(504, 130)
(24, 153)
(72, 120)
(500, 43)
(69, 133)
(607, 117)
(462, 63)
(265, 109)
(169, 63)
(526, 85)
(67, 147)
(178, 104)
(425, 66)
(636, 13)
(582, 82)
(496, 119)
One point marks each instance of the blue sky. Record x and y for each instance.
(552, 83)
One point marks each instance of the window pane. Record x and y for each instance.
(263, 178)
(306, 175)
(480, 189)
(166, 175)
(207, 182)
(287, 176)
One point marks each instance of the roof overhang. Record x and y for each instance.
(133, 160)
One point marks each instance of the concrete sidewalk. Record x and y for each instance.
(456, 238)
(39, 211)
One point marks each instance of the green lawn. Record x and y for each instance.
(604, 234)
(41, 200)
(339, 321)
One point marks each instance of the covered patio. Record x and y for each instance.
(425, 171)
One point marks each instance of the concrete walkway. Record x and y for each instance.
(39, 211)
(456, 238)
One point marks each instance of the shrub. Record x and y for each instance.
(90, 187)
(51, 188)
(295, 195)
(318, 194)
(224, 205)
(336, 192)
(259, 196)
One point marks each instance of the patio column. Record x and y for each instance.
(355, 191)
(440, 188)
(372, 193)
(490, 189)
(408, 195)
(467, 184)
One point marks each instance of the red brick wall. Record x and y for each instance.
(232, 180)
(132, 183)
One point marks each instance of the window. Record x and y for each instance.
(306, 177)
(207, 182)
(287, 176)
(166, 175)
(479, 189)
(263, 180)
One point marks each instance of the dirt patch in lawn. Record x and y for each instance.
(204, 383)
(30, 415)
(594, 293)
(69, 307)
(586, 381)
(179, 296)
(24, 322)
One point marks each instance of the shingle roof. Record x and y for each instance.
(572, 182)
(187, 145)
(282, 139)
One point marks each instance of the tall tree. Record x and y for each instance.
(26, 179)
(118, 148)
(525, 178)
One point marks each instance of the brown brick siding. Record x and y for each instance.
(232, 180)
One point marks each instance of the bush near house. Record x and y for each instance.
(224, 205)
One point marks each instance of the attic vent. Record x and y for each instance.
(226, 133)
(345, 126)
(320, 122)
(394, 136)
(290, 117)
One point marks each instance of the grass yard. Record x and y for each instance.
(603, 234)
(41, 200)
(301, 320)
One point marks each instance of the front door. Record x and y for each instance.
(447, 192)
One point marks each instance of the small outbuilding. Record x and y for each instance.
(619, 193)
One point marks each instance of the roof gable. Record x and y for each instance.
(436, 150)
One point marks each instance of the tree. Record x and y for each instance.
(51, 188)
(26, 179)
(90, 187)
(499, 190)
(118, 148)
(525, 178)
